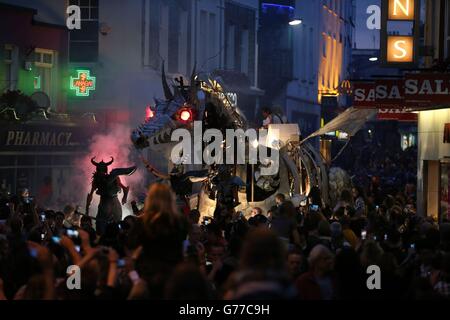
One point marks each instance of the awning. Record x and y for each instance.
(238, 82)
(350, 122)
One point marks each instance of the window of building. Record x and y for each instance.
(203, 35)
(447, 32)
(304, 53)
(209, 52)
(212, 39)
(244, 51)
(230, 49)
(163, 30)
(151, 36)
(408, 140)
(164, 34)
(44, 71)
(8, 53)
(444, 194)
(311, 55)
(240, 39)
(324, 46)
(84, 42)
(8, 68)
(174, 33)
(9, 81)
(43, 58)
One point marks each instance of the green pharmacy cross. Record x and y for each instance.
(83, 84)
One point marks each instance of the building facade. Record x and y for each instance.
(33, 54)
(434, 150)
(38, 143)
(310, 59)
(124, 46)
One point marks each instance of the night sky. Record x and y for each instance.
(365, 38)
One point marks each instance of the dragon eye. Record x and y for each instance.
(185, 115)
(149, 113)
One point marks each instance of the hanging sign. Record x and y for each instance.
(400, 49)
(83, 83)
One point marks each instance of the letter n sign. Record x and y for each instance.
(400, 50)
(401, 10)
(83, 83)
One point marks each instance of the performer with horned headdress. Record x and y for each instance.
(108, 185)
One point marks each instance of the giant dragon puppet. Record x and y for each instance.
(301, 167)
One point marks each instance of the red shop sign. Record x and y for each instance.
(397, 114)
(427, 89)
(416, 91)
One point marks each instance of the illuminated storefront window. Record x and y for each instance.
(408, 140)
(444, 194)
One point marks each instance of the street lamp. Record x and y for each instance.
(295, 22)
(373, 59)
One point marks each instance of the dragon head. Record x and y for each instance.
(202, 100)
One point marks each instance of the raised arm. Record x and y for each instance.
(89, 199)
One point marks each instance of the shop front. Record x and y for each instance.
(434, 164)
(41, 157)
(427, 97)
(444, 207)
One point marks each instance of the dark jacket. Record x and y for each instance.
(162, 243)
(309, 289)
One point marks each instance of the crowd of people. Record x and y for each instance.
(310, 252)
(390, 168)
